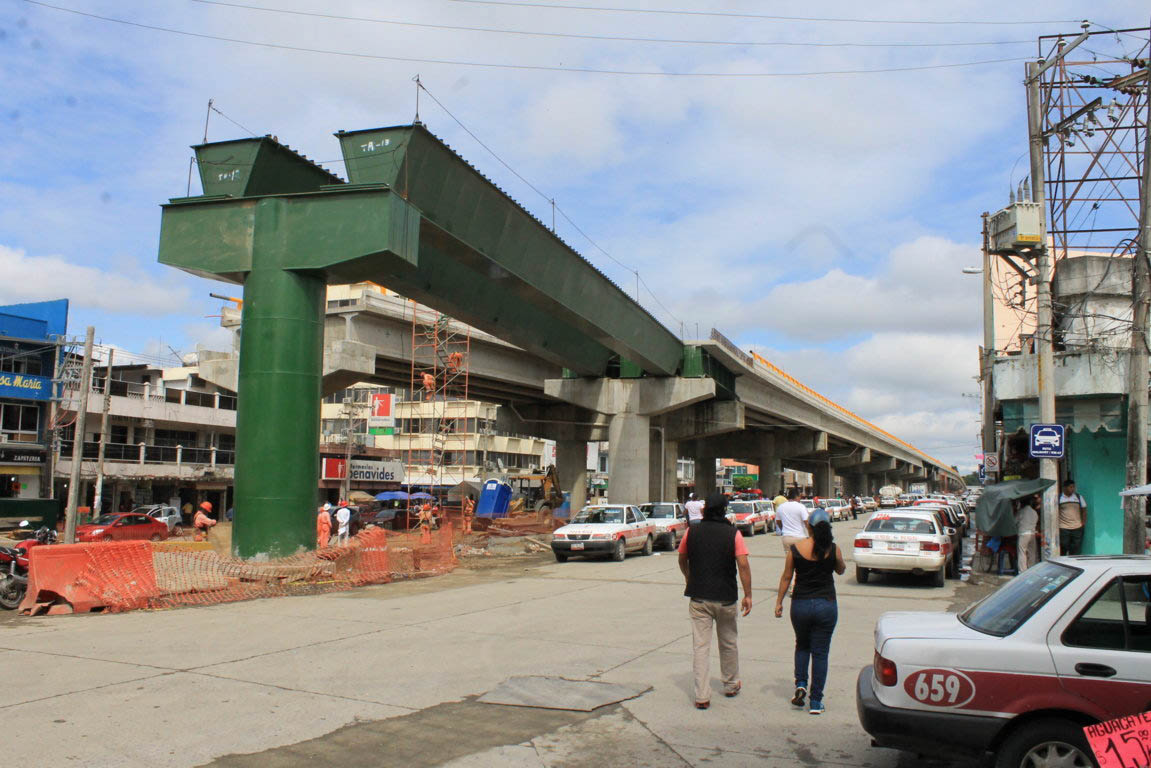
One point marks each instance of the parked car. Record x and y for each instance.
(907, 499)
(747, 517)
(837, 509)
(169, 516)
(767, 511)
(612, 530)
(888, 502)
(1018, 675)
(669, 521)
(870, 504)
(904, 542)
(124, 526)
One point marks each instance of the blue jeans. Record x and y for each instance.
(813, 620)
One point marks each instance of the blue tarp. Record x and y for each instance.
(391, 496)
(421, 495)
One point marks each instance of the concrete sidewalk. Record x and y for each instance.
(386, 675)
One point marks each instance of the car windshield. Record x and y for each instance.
(600, 515)
(741, 508)
(106, 519)
(808, 503)
(658, 510)
(894, 524)
(1005, 610)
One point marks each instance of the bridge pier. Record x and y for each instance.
(571, 468)
(770, 470)
(823, 479)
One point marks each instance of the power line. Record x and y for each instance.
(528, 67)
(768, 17)
(609, 38)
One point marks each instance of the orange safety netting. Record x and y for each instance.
(123, 576)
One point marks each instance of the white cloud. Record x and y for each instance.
(41, 278)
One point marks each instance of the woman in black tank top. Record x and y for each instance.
(814, 613)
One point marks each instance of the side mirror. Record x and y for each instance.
(949, 531)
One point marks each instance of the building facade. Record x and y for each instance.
(30, 338)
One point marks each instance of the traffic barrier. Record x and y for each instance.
(124, 576)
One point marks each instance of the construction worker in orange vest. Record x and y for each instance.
(202, 523)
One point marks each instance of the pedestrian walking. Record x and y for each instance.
(1026, 520)
(343, 521)
(694, 508)
(202, 522)
(324, 525)
(1072, 519)
(792, 518)
(814, 612)
(710, 554)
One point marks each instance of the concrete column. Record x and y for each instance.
(704, 475)
(629, 457)
(823, 478)
(770, 469)
(861, 485)
(571, 466)
(662, 480)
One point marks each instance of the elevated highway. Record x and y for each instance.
(574, 355)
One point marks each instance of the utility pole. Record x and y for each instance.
(1134, 515)
(78, 440)
(986, 370)
(98, 501)
(347, 484)
(1048, 469)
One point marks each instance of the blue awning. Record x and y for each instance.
(391, 496)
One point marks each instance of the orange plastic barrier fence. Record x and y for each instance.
(124, 576)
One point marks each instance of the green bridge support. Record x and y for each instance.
(416, 218)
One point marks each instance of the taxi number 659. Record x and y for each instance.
(940, 687)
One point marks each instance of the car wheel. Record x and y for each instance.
(177, 531)
(561, 557)
(939, 577)
(953, 568)
(647, 546)
(620, 551)
(107, 538)
(157, 537)
(862, 574)
(1041, 743)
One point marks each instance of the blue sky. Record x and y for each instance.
(822, 220)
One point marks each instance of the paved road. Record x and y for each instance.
(387, 676)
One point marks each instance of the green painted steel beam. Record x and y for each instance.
(523, 259)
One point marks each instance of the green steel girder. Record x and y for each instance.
(521, 259)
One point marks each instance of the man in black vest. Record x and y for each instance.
(709, 556)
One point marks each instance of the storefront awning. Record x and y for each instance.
(20, 469)
(1078, 414)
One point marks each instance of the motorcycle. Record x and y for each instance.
(14, 566)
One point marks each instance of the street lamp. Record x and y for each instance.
(987, 356)
(973, 270)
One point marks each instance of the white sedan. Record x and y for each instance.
(747, 516)
(669, 519)
(612, 530)
(1017, 676)
(904, 541)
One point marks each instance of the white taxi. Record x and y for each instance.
(903, 541)
(837, 509)
(669, 521)
(746, 516)
(1018, 675)
(767, 510)
(611, 529)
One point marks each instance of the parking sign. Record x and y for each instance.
(1047, 441)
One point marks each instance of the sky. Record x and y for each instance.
(762, 183)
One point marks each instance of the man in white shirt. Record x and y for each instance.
(694, 508)
(793, 520)
(1026, 519)
(1072, 519)
(343, 517)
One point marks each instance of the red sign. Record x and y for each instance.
(334, 469)
(381, 416)
(1124, 742)
(940, 687)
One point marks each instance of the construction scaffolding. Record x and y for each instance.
(438, 439)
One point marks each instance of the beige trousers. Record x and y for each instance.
(1024, 551)
(789, 540)
(705, 613)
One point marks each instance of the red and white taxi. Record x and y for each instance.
(904, 541)
(610, 529)
(747, 516)
(669, 521)
(1018, 675)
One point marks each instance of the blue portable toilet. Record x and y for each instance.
(494, 499)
